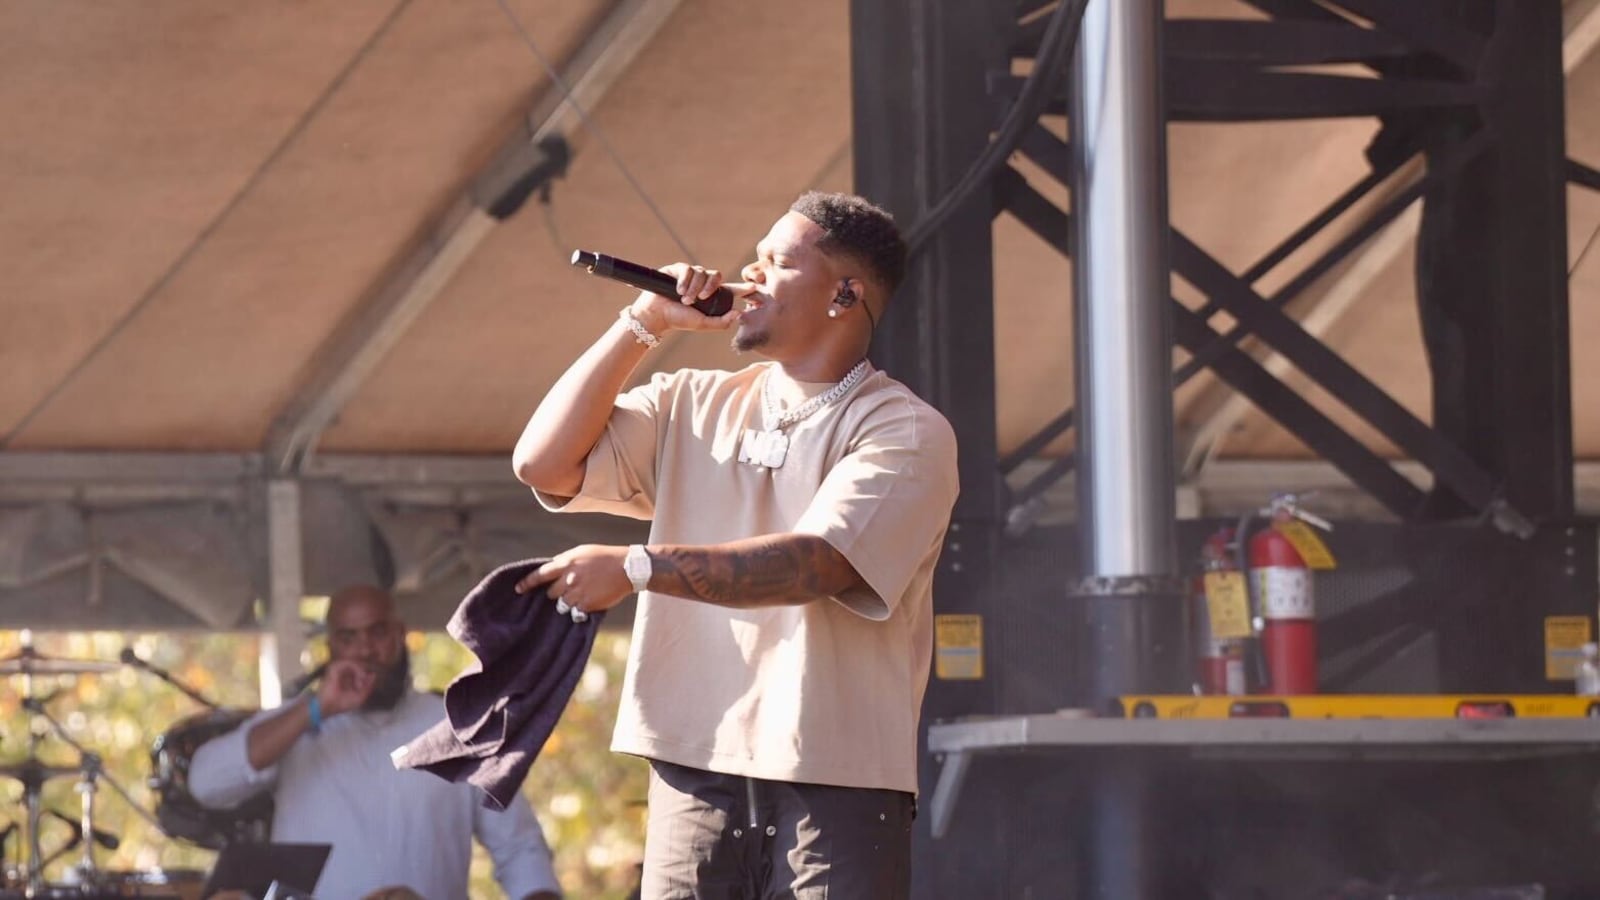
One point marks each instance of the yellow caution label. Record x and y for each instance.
(1307, 543)
(1360, 706)
(1564, 637)
(1227, 605)
(958, 647)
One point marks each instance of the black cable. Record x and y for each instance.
(1584, 253)
(1060, 37)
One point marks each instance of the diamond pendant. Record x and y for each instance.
(766, 449)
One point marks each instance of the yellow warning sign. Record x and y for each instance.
(1227, 605)
(958, 647)
(1307, 543)
(1564, 637)
(1361, 706)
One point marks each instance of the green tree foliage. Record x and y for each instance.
(589, 800)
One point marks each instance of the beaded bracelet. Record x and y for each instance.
(640, 333)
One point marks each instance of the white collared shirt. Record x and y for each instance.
(387, 826)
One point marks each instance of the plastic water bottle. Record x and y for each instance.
(1587, 679)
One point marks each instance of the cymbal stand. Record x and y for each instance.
(33, 786)
(33, 773)
(32, 789)
(92, 774)
(86, 789)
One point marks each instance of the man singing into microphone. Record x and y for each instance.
(797, 508)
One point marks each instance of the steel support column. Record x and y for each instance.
(921, 114)
(1491, 270)
(285, 638)
(1124, 354)
(1133, 611)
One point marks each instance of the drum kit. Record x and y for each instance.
(177, 813)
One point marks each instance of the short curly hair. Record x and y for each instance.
(860, 230)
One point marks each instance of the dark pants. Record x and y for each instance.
(810, 841)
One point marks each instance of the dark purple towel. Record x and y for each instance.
(502, 708)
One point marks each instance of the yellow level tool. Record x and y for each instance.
(1360, 706)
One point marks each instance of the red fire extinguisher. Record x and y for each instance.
(1282, 586)
(1219, 659)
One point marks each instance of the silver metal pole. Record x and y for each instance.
(1124, 342)
(86, 792)
(34, 811)
(283, 641)
(1132, 608)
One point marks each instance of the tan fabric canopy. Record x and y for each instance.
(242, 235)
(198, 195)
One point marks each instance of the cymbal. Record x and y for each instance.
(31, 662)
(33, 769)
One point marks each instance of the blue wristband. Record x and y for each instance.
(314, 710)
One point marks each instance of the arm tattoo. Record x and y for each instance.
(770, 570)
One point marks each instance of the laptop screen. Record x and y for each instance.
(253, 868)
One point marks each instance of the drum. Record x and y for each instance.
(180, 815)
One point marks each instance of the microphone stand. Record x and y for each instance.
(133, 659)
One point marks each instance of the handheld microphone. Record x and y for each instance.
(647, 279)
(131, 658)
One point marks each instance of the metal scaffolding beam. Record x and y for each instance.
(1213, 415)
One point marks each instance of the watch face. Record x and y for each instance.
(637, 566)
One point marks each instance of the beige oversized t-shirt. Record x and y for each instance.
(827, 692)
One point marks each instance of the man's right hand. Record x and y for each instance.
(552, 453)
(345, 686)
(660, 314)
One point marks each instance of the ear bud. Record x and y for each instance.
(846, 297)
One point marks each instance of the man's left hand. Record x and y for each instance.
(588, 578)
